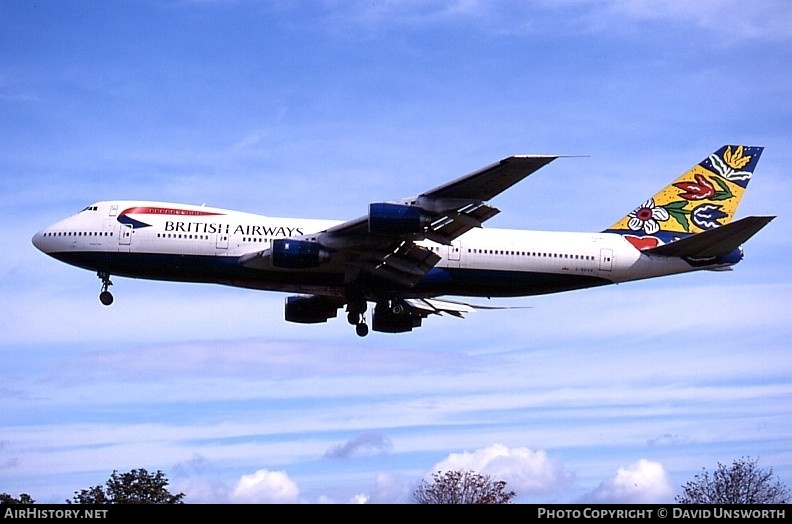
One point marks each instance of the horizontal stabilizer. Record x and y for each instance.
(715, 242)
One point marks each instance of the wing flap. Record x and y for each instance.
(429, 306)
(455, 224)
(405, 265)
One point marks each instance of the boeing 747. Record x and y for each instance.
(407, 256)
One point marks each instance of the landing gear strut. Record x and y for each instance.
(105, 297)
(356, 310)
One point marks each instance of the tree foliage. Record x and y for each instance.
(135, 487)
(24, 498)
(462, 487)
(741, 483)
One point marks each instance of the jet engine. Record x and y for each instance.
(394, 317)
(288, 253)
(396, 219)
(310, 309)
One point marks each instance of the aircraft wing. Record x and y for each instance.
(429, 306)
(382, 244)
(460, 205)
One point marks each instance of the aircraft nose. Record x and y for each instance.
(40, 241)
(37, 238)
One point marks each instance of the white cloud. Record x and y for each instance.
(265, 487)
(390, 487)
(524, 471)
(644, 482)
(769, 19)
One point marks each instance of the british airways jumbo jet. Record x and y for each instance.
(404, 254)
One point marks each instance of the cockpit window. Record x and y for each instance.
(91, 208)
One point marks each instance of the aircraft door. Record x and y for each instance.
(222, 241)
(454, 253)
(606, 259)
(125, 235)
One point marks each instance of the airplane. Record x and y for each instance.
(410, 256)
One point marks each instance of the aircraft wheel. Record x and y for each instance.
(362, 329)
(106, 298)
(353, 318)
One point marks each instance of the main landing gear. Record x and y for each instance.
(105, 297)
(356, 310)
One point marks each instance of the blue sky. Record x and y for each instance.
(616, 394)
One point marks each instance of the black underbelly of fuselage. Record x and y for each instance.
(226, 270)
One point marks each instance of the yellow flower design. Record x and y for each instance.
(736, 160)
(730, 165)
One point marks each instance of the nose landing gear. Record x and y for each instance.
(105, 297)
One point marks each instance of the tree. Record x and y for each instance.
(24, 498)
(135, 487)
(462, 487)
(741, 483)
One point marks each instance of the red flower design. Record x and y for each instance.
(642, 243)
(700, 190)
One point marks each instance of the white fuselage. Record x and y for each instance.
(179, 242)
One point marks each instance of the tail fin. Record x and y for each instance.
(704, 198)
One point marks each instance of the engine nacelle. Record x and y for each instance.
(395, 317)
(310, 309)
(288, 253)
(396, 219)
